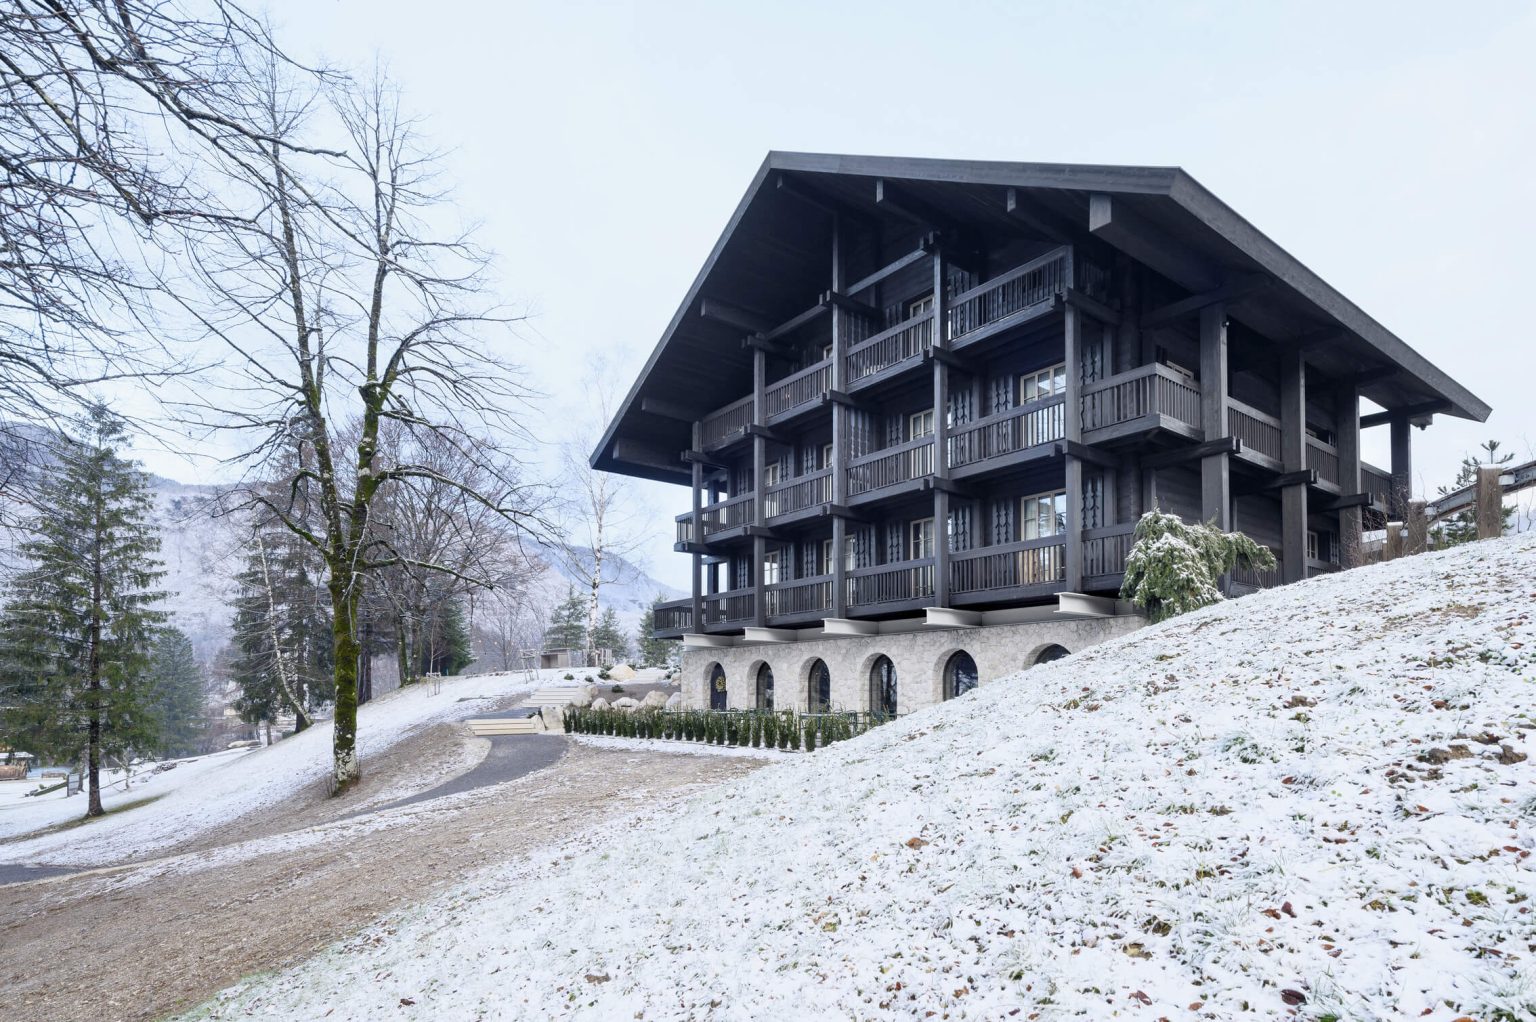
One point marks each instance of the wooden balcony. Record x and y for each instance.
(889, 352)
(891, 467)
(1143, 399)
(799, 600)
(725, 426)
(670, 620)
(1258, 431)
(1009, 298)
(1248, 580)
(905, 585)
(733, 609)
(1378, 483)
(797, 392)
(1008, 436)
(1008, 570)
(1104, 553)
(798, 496)
(1324, 458)
(723, 517)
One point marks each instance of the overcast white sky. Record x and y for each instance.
(1389, 146)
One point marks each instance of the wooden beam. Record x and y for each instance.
(637, 453)
(1346, 501)
(1314, 339)
(1366, 377)
(896, 266)
(1304, 477)
(689, 548)
(1407, 412)
(1115, 222)
(897, 201)
(847, 304)
(757, 342)
(839, 397)
(796, 322)
(1037, 218)
(1092, 307)
(1208, 449)
(766, 432)
(1228, 292)
(948, 486)
(844, 512)
(1083, 452)
(734, 316)
(703, 459)
(801, 191)
(667, 409)
(944, 356)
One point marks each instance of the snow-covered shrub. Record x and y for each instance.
(1174, 567)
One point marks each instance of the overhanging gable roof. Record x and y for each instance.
(1164, 203)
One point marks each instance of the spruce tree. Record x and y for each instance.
(1175, 567)
(1461, 527)
(78, 630)
(653, 652)
(610, 636)
(176, 685)
(568, 624)
(282, 635)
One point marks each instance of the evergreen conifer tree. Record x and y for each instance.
(1461, 527)
(567, 624)
(653, 652)
(610, 635)
(282, 636)
(176, 683)
(78, 630)
(1175, 567)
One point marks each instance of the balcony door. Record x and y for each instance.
(920, 547)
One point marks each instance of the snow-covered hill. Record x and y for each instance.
(1315, 802)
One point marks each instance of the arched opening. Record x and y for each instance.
(882, 687)
(716, 687)
(765, 687)
(959, 675)
(818, 689)
(1052, 652)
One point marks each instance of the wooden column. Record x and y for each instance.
(1073, 468)
(1346, 418)
(940, 437)
(1490, 502)
(839, 430)
(1215, 471)
(1402, 467)
(697, 537)
(759, 467)
(1293, 458)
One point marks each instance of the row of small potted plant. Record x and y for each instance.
(758, 729)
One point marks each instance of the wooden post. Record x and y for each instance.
(1215, 470)
(1293, 458)
(1402, 466)
(1073, 468)
(1346, 417)
(839, 430)
(1490, 502)
(1392, 549)
(940, 438)
(1417, 527)
(696, 621)
(759, 470)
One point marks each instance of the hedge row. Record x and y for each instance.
(758, 729)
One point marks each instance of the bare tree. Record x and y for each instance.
(344, 305)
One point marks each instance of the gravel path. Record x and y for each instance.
(140, 942)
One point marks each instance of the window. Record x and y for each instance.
(826, 455)
(920, 539)
(765, 687)
(772, 568)
(850, 553)
(920, 424)
(1052, 652)
(717, 687)
(1042, 384)
(826, 351)
(882, 687)
(773, 474)
(959, 675)
(920, 306)
(1044, 514)
(824, 561)
(818, 695)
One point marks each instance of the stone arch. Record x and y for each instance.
(760, 678)
(958, 674)
(816, 683)
(883, 685)
(715, 685)
(1046, 652)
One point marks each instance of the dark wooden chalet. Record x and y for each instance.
(906, 383)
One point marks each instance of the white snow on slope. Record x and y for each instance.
(260, 780)
(1225, 816)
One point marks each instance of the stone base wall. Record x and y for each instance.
(918, 656)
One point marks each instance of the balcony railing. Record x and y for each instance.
(1038, 280)
(1149, 390)
(730, 608)
(1017, 429)
(892, 465)
(726, 425)
(799, 597)
(1105, 549)
(1009, 566)
(905, 340)
(728, 514)
(891, 583)
(1252, 578)
(1258, 431)
(676, 616)
(1325, 459)
(797, 390)
(798, 494)
(1378, 483)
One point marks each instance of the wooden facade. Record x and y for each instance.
(903, 384)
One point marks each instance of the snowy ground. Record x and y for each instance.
(1313, 802)
(219, 790)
